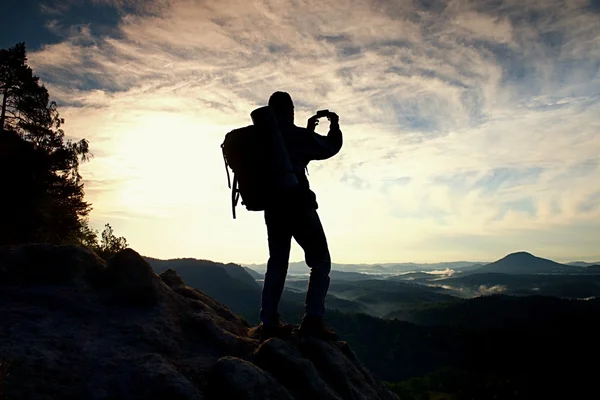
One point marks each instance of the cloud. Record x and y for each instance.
(487, 291)
(462, 119)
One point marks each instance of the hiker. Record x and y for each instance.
(294, 215)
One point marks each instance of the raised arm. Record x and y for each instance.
(323, 147)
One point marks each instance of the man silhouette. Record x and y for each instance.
(295, 216)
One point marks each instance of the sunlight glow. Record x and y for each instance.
(467, 134)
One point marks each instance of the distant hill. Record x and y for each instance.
(558, 285)
(381, 297)
(350, 276)
(292, 306)
(583, 263)
(499, 311)
(254, 274)
(413, 277)
(299, 268)
(470, 268)
(524, 263)
(336, 275)
(202, 269)
(227, 283)
(457, 265)
(236, 287)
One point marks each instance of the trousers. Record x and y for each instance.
(304, 225)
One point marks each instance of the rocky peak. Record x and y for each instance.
(76, 327)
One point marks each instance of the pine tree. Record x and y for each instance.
(15, 76)
(43, 200)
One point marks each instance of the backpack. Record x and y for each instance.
(259, 161)
(244, 152)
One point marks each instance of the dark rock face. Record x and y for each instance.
(340, 368)
(48, 264)
(297, 373)
(131, 279)
(75, 327)
(233, 378)
(172, 279)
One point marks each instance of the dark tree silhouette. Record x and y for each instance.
(42, 200)
(19, 88)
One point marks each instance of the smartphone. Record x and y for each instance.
(322, 113)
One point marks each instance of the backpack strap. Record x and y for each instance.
(235, 195)
(226, 167)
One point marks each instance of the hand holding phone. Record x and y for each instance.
(312, 123)
(314, 120)
(322, 113)
(333, 117)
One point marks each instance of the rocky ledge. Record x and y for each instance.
(75, 327)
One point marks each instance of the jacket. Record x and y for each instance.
(304, 146)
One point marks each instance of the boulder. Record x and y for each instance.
(298, 374)
(234, 378)
(131, 279)
(172, 279)
(340, 368)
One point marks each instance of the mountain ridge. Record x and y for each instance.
(300, 268)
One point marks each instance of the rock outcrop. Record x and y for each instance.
(75, 327)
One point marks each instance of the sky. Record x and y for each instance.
(471, 128)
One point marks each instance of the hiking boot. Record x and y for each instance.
(281, 330)
(315, 327)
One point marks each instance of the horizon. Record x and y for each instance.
(592, 260)
(470, 128)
